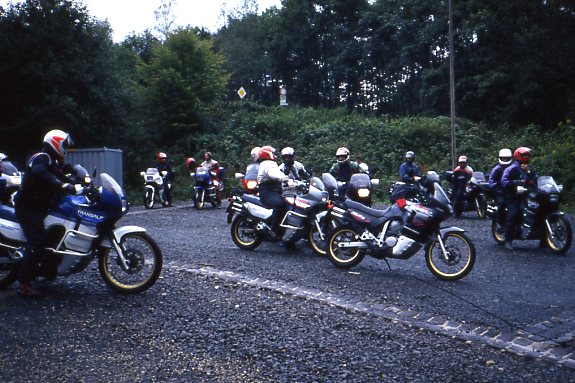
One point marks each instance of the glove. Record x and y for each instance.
(291, 183)
(68, 188)
(416, 178)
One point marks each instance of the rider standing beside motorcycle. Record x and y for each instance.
(461, 176)
(505, 158)
(292, 168)
(164, 165)
(408, 171)
(43, 181)
(518, 174)
(270, 179)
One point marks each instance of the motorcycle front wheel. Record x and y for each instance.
(458, 260)
(143, 264)
(344, 257)
(316, 243)
(481, 207)
(148, 198)
(8, 274)
(560, 237)
(199, 198)
(244, 233)
(498, 235)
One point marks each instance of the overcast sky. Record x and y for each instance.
(126, 16)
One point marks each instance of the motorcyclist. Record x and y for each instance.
(292, 168)
(254, 154)
(505, 159)
(343, 169)
(409, 171)
(270, 179)
(162, 165)
(43, 182)
(216, 171)
(191, 164)
(459, 179)
(517, 174)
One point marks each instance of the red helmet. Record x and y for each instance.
(267, 153)
(190, 162)
(162, 156)
(522, 154)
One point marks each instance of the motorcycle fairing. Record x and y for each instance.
(120, 232)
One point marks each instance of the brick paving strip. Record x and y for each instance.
(521, 342)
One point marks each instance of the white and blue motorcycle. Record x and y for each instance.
(82, 228)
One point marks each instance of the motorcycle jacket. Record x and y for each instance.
(343, 171)
(42, 182)
(407, 171)
(515, 176)
(495, 178)
(269, 172)
(295, 171)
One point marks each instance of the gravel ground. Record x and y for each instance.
(194, 328)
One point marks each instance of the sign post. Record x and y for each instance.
(283, 96)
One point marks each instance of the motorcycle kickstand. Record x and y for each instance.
(388, 265)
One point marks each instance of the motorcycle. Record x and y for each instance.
(12, 178)
(360, 188)
(250, 179)
(82, 228)
(541, 218)
(251, 221)
(400, 232)
(155, 186)
(205, 189)
(476, 195)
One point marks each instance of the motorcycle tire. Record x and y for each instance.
(497, 235)
(344, 258)
(8, 274)
(199, 199)
(561, 235)
(460, 257)
(148, 199)
(244, 233)
(318, 245)
(481, 205)
(144, 260)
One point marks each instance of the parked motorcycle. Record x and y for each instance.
(541, 218)
(251, 221)
(82, 228)
(155, 187)
(204, 189)
(400, 232)
(12, 178)
(250, 179)
(476, 194)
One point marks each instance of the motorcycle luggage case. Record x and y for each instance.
(407, 191)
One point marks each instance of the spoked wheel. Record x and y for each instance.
(244, 233)
(498, 235)
(481, 206)
(199, 198)
(318, 236)
(344, 257)
(8, 274)
(560, 237)
(148, 198)
(143, 264)
(458, 260)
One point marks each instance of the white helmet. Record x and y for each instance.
(3, 156)
(287, 151)
(255, 153)
(505, 156)
(59, 141)
(343, 151)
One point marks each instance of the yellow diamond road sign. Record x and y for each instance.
(242, 92)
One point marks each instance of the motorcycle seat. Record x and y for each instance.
(252, 199)
(375, 213)
(7, 212)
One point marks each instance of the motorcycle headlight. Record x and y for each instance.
(124, 205)
(252, 184)
(16, 180)
(363, 193)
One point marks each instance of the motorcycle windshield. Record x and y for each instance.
(316, 183)
(252, 172)
(202, 175)
(152, 171)
(477, 177)
(110, 184)
(546, 184)
(359, 180)
(440, 196)
(7, 167)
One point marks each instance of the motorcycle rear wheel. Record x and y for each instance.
(148, 199)
(144, 259)
(561, 235)
(344, 258)
(8, 274)
(244, 233)
(460, 253)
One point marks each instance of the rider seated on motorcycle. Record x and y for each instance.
(270, 179)
(505, 159)
(43, 182)
(518, 174)
(461, 176)
(343, 169)
(409, 171)
(292, 168)
(164, 165)
(216, 171)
